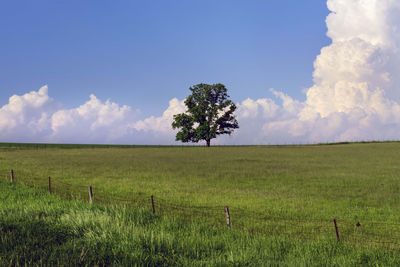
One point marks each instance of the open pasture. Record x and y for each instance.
(290, 192)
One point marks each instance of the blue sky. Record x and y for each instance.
(144, 53)
(117, 71)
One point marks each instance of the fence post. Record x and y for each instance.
(336, 228)
(49, 185)
(90, 194)
(227, 216)
(152, 204)
(12, 176)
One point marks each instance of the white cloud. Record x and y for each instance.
(93, 121)
(161, 124)
(356, 88)
(35, 117)
(158, 130)
(26, 117)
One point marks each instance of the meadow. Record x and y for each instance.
(282, 202)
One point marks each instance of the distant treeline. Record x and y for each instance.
(66, 146)
(86, 146)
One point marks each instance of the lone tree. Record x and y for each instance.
(209, 113)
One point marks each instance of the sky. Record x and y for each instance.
(117, 71)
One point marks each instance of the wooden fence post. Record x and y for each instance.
(49, 185)
(90, 194)
(336, 228)
(152, 204)
(227, 216)
(12, 176)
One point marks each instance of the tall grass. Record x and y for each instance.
(41, 229)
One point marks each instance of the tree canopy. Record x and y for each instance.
(209, 114)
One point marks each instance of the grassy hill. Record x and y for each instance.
(282, 202)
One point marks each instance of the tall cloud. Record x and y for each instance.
(356, 88)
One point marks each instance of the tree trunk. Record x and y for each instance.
(208, 143)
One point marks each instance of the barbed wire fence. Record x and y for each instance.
(366, 233)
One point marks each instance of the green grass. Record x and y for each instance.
(41, 229)
(279, 197)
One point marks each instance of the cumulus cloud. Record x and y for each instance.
(355, 96)
(93, 121)
(356, 88)
(26, 117)
(36, 117)
(161, 124)
(157, 130)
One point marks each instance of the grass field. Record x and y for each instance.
(282, 201)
